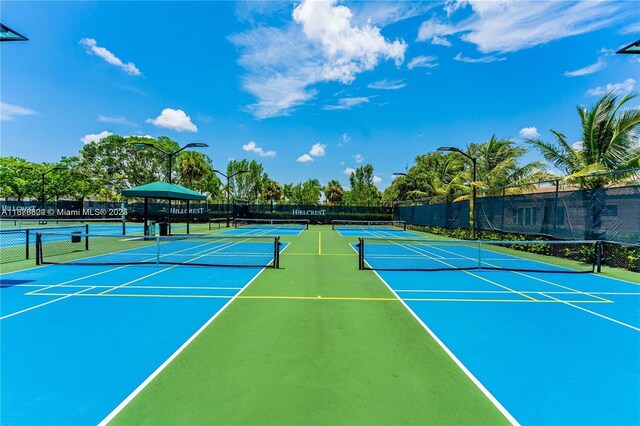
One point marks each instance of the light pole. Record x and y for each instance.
(474, 160)
(42, 175)
(170, 154)
(229, 177)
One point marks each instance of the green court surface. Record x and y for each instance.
(318, 342)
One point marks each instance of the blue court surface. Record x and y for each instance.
(551, 348)
(377, 231)
(264, 230)
(77, 340)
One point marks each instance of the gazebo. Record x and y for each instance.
(162, 191)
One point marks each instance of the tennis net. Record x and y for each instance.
(295, 224)
(199, 250)
(395, 254)
(17, 244)
(365, 225)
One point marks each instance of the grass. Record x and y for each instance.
(347, 352)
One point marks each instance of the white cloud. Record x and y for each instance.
(174, 119)
(440, 41)
(589, 69)
(321, 44)
(345, 139)
(317, 150)
(377, 179)
(423, 62)
(92, 48)
(616, 88)
(95, 137)
(116, 120)
(529, 132)
(578, 146)
(387, 85)
(359, 158)
(347, 103)
(631, 29)
(481, 60)
(253, 147)
(349, 171)
(9, 112)
(304, 158)
(509, 26)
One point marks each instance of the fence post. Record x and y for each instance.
(555, 207)
(27, 246)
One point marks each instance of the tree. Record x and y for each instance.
(272, 192)
(116, 164)
(305, 193)
(499, 166)
(334, 192)
(363, 192)
(247, 186)
(192, 168)
(610, 143)
(17, 179)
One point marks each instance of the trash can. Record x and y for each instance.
(164, 228)
(151, 229)
(76, 236)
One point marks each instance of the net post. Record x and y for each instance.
(479, 254)
(38, 249)
(360, 254)
(124, 226)
(276, 253)
(404, 227)
(27, 246)
(599, 247)
(86, 237)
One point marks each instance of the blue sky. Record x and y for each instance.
(309, 89)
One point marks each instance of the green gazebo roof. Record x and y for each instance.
(163, 190)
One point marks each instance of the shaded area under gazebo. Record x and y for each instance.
(163, 191)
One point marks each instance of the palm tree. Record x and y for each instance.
(334, 192)
(610, 143)
(192, 167)
(499, 167)
(272, 192)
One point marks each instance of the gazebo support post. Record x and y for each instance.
(146, 216)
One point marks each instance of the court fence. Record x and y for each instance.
(176, 211)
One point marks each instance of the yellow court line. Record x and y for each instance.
(319, 243)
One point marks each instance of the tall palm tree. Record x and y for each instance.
(334, 192)
(192, 167)
(499, 167)
(610, 143)
(272, 192)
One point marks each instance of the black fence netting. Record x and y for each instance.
(442, 214)
(314, 213)
(611, 214)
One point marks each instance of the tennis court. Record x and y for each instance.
(98, 326)
(121, 329)
(550, 347)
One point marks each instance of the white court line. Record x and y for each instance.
(593, 313)
(153, 375)
(45, 303)
(455, 359)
